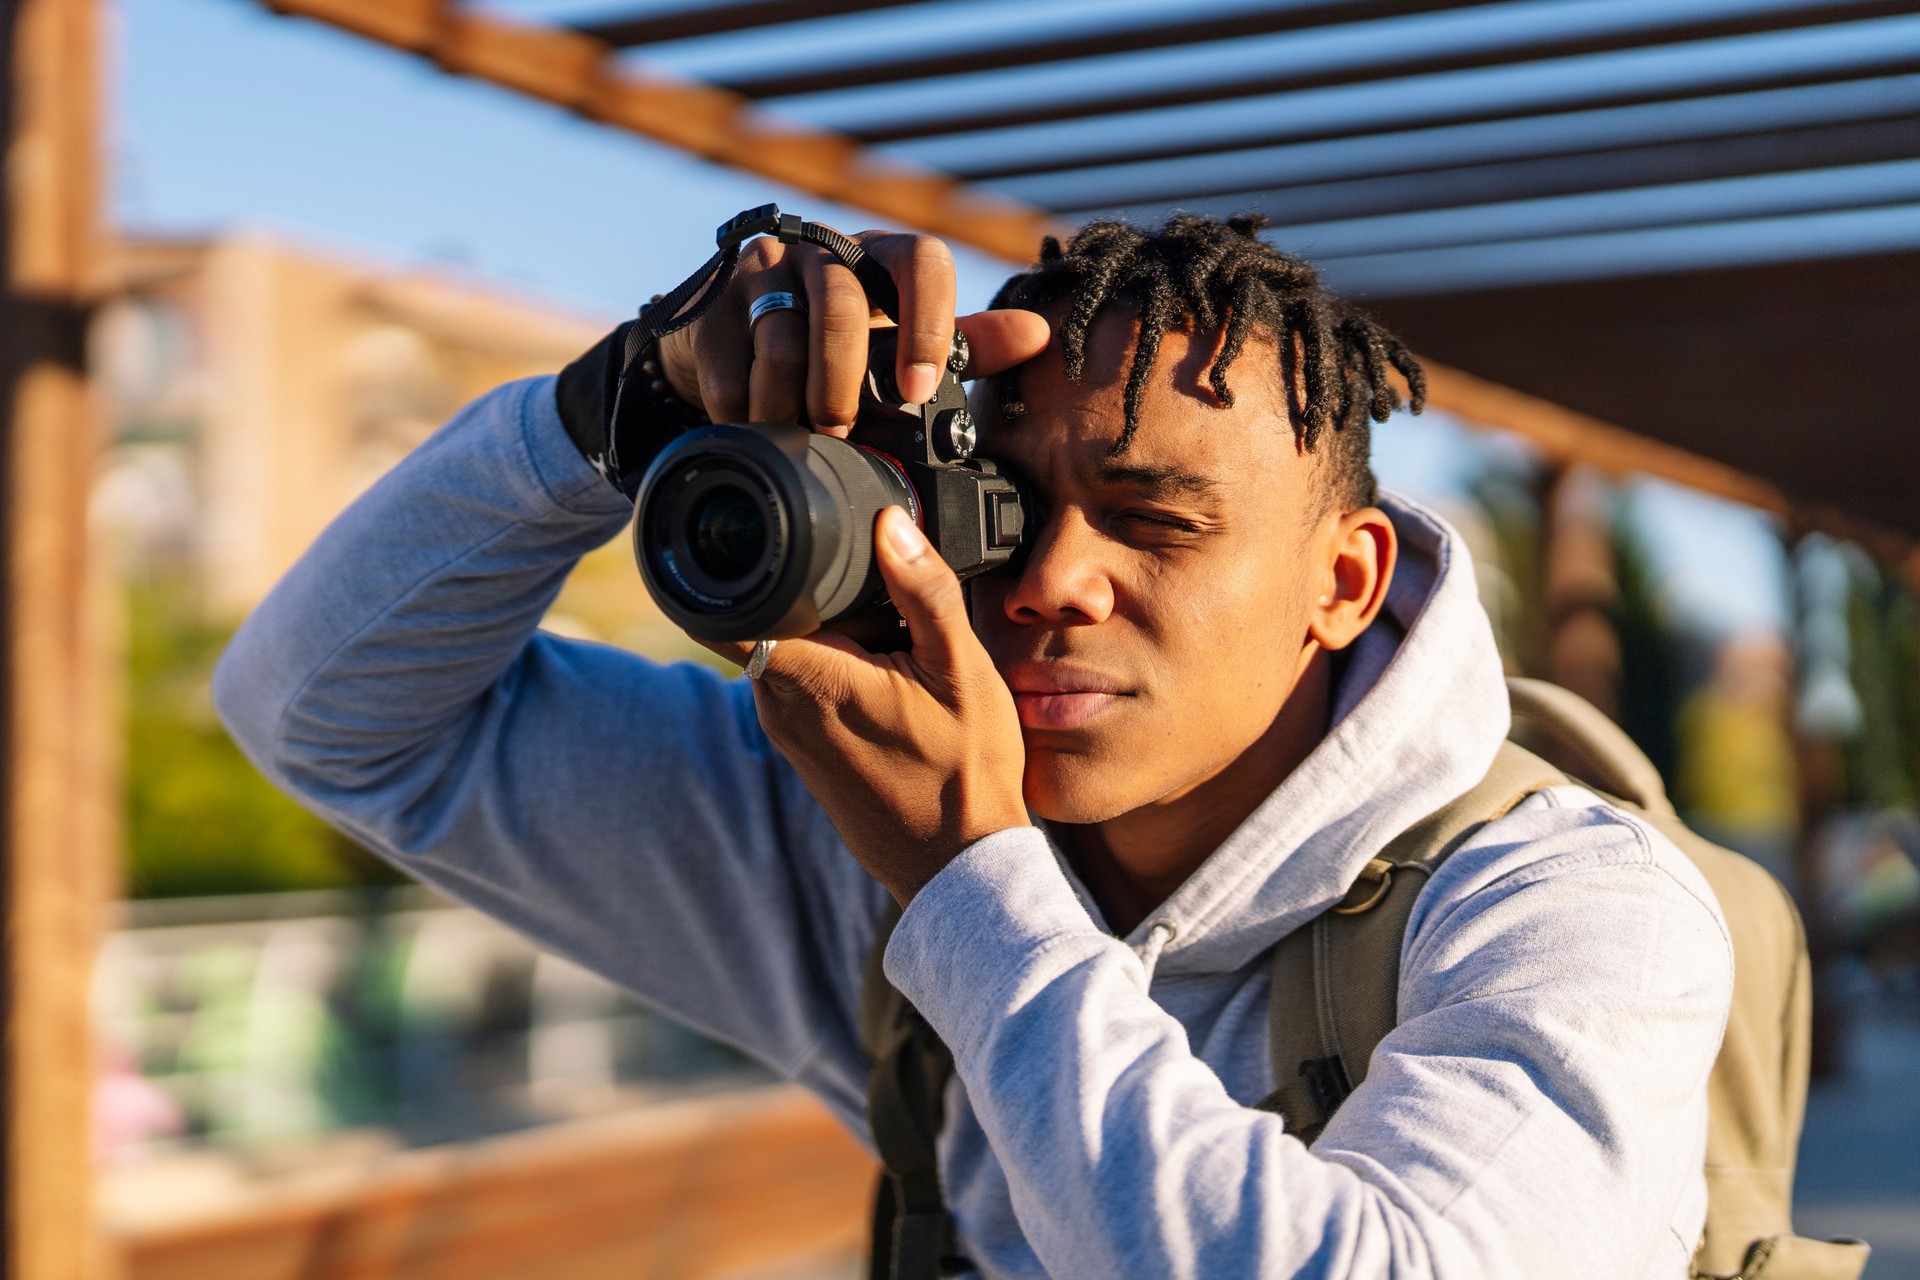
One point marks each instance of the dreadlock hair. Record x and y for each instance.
(1201, 274)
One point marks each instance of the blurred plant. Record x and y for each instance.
(200, 819)
(1903, 625)
(1881, 758)
(1650, 692)
(1508, 498)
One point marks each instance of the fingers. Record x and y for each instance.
(802, 660)
(839, 318)
(926, 592)
(721, 344)
(922, 269)
(734, 652)
(1000, 340)
(815, 363)
(778, 379)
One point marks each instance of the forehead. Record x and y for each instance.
(1183, 427)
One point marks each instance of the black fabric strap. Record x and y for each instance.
(621, 434)
(913, 1233)
(650, 414)
(584, 393)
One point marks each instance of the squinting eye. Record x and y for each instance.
(1154, 520)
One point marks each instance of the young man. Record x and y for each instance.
(1226, 675)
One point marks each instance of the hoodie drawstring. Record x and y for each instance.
(1159, 934)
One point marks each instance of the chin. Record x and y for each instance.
(1079, 790)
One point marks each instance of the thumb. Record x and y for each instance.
(925, 591)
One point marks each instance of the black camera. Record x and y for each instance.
(765, 531)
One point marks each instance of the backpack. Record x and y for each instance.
(1335, 983)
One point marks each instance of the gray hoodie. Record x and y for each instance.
(1540, 1110)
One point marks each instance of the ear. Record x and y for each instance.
(1357, 556)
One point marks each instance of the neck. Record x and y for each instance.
(1133, 863)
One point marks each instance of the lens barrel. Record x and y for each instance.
(763, 531)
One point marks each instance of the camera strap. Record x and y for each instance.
(687, 301)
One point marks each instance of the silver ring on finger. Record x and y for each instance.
(766, 303)
(757, 662)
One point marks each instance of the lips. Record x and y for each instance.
(1052, 695)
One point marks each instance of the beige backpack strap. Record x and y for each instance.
(1336, 981)
(1576, 737)
(1756, 1095)
(1791, 1257)
(912, 1230)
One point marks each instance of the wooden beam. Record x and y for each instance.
(1788, 372)
(59, 793)
(1439, 180)
(1170, 30)
(759, 1182)
(1564, 437)
(1283, 132)
(580, 73)
(714, 19)
(1400, 58)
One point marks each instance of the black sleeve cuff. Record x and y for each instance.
(651, 416)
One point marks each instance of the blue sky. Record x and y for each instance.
(225, 115)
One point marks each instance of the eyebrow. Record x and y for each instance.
(1165, 480)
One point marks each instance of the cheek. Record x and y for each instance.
(1226, 626)
(1232, 649)
(1219, 643)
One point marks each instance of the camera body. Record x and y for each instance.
(764, 531)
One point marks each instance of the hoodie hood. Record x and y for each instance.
(1419, 711)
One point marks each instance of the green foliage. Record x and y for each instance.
(1508, 499)
(1880, 759)
(200, 820)
(1904, 634)
(1650, 692)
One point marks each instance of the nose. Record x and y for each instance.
(1063, 582)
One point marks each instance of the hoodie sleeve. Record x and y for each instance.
(626, 815)
(1540, 1110)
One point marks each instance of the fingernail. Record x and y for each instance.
(906, 541)
(920, 383)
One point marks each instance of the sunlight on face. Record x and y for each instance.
(1158, 624)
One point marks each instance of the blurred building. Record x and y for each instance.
(281, 1068)
(1738, 777)
(253, 387)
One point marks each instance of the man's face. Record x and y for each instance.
(1161, 618)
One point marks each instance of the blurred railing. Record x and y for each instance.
(752, 1183)
(263, 1020)
(329, 1084)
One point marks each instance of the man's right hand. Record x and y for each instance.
(792, 364)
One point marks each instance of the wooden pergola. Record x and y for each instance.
(1679, 240)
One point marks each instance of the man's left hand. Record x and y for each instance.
(913, 755)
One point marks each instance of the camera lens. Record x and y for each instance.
(745, 532)
(728, 533)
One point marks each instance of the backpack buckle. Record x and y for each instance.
(1376, 869)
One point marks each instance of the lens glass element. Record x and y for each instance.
(727, 533)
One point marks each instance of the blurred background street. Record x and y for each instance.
(313, 249)
(1860, 1161)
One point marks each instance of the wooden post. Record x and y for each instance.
(1582, 648)
(58, 801)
